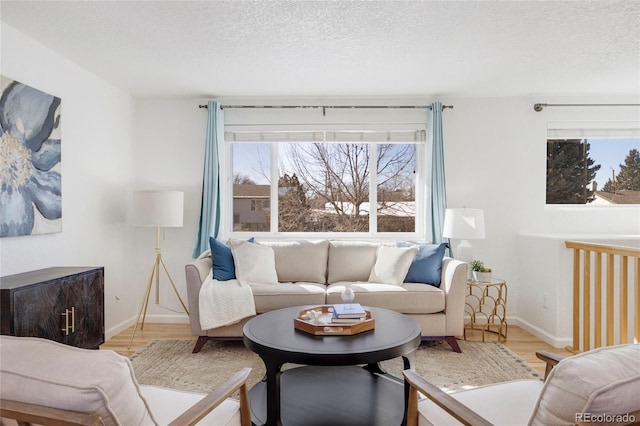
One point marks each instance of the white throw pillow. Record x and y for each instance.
(255, 263)
(392, 264)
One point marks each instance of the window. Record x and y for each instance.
(593, 163)
(330, 182)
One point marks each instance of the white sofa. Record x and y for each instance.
(315, 273)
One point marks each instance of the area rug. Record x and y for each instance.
(170, 363)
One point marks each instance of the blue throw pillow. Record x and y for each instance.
(224, 268)
(426, 266)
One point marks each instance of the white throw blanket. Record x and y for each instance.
(224, 302)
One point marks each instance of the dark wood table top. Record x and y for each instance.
(273, 335)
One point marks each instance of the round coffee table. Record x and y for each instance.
(332, 388)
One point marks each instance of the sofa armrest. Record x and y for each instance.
(454, 283)
(196, 272)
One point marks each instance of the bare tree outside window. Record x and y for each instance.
(396, 188)
(335, 179)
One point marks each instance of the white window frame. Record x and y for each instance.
(590, 129)
(422, 168)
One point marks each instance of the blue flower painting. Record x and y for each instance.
(30, 184)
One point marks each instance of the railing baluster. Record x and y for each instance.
(636, 294)
(576, 300)
(586, 305)
(624, 299)
(610, 308)
(597, 301)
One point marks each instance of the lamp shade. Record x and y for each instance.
(162, 209)
(463, 224)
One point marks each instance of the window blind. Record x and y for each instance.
(330, 136)
(593, 130)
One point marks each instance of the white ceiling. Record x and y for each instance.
(345, 48)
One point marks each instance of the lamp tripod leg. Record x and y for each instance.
(173, 285)
(145, 303)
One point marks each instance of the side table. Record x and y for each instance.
(486, 308)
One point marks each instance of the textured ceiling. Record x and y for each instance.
(345, 48)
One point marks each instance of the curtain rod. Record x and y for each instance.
(325, 107)
(540, 107)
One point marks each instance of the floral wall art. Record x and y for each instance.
(31, 187)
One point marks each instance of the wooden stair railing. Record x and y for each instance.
(618, 269)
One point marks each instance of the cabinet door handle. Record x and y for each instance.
(69, 324)
(65, 329)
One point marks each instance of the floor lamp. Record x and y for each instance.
(158, 209)
(464, 224)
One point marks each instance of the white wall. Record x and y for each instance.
(97, 126)
(168, 154)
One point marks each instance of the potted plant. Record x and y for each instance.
(481, 273)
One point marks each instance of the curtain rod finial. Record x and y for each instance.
(539, 107)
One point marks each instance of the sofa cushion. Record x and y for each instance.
(409, 298)
(255, 263)
(301, 260)
(392, 264)
(604, 380)
(223, 268)
(284, 295)
(351, 260)
(426, 266)
(48, 373)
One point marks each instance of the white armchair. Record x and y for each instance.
(575, 391)
(47, 383)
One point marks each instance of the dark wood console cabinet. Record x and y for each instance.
(65, 304)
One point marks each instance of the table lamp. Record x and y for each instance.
(158, 209)
(464, 224)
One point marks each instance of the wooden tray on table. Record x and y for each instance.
(332, 329)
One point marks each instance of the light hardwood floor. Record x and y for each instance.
(519, 341)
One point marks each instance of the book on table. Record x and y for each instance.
(348, 310)
(346, 321)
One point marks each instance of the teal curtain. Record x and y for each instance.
(210, 207)
(438, 188)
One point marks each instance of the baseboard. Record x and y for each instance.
(118, 328)
(167, 319)
(556, 342)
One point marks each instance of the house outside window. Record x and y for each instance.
(348, 182)
(593, 163)
(249, 201)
